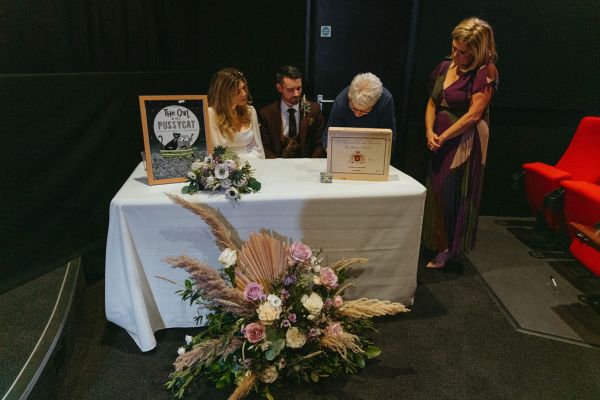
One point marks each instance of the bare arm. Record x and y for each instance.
(429, 133)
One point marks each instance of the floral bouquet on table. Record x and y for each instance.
(222, 170)
(275, 313)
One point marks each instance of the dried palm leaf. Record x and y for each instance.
(263, 259)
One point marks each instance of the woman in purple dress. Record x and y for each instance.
(456, 123)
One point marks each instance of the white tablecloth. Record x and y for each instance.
(380, 221)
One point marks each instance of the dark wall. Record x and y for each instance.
(70, 74)
(549, 55)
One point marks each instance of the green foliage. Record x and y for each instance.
(233, 178)
(311, 362)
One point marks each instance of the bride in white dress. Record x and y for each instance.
(233, 122)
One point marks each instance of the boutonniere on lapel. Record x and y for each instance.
(304, 106)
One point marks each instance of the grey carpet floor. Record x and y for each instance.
(455, 344)
(25, 311)
(536, 280)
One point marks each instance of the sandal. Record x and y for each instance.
(440, 260)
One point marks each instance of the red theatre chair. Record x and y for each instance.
(582, 212)
(580, 162)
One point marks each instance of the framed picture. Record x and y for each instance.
(359, 153)
(174, 129)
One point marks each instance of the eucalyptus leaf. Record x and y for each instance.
(270, 354)
(360, 361)
(372, 351)
(276, 346)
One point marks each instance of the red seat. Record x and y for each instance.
(582, 206)
(581, 162)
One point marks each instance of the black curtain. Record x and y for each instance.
(70, 76)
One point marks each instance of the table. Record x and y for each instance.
(380, 221)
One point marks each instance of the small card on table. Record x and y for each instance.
(359, 153)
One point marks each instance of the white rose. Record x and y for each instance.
(188, 339)
(274, 300)
(268, 375)
(294, 338)
(228, 257)
(313, 303)
(268, 313)
(181, 351)
(197, 165)
(226, 183)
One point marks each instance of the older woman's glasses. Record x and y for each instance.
(359, 112)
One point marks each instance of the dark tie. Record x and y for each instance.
(292, 131)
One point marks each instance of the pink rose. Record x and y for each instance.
(334, 328)
(253, 291)
(300, 252)
(328, 278)
(338, 301)
(254, 332)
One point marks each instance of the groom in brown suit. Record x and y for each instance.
(292, 126)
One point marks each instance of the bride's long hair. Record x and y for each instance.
(224, 87)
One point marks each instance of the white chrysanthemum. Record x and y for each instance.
(274, 300)
(294, 338)
(225, 183)
(221, 171)
(232, 193)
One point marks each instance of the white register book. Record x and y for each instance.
(359, 153)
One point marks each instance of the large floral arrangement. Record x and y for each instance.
(222, 170)
(275, 313)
